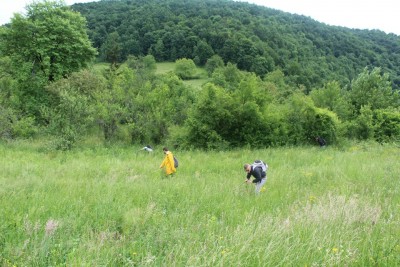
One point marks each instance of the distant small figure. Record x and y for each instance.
(168, 162)
(148, 148)
(321, 141)
(259, 171)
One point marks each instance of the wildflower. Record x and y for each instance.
(213, 219)
(51, 227)
(335, 250)
(308, 174)
(312, 199)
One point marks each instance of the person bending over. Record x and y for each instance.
(260, 176)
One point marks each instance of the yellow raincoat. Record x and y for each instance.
(168, 163)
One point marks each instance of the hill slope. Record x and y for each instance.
(256, 38)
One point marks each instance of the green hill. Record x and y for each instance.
(255, 38)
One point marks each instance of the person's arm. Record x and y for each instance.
(247, 180)
(248, 176)
(164, 162)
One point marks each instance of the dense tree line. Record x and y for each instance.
(48, 86)
(255, 38)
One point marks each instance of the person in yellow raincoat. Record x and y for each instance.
(168, 162)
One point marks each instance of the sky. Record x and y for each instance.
(9, 7)
(356, 14)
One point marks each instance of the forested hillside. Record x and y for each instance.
(267, 78)
(256, 38)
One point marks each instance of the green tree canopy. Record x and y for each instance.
(111, 49)
(373, 89)
(47, 44)
(185, 68)
(51, 38)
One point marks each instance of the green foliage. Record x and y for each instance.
(277, 127)
(6, 119)
(25, 127)
(334, 98)
(110, 51)
(274, 79)
(185, 68)
(250, 89)
(228, 76)
(277, 87)
(363, 126)
(7, 83)
(381, 125)
(247, 113)
(177, 137)
(249, 126)
(113, 99)
(203, 52)
(72, 113)
(152, 106)
(222, 119)
(14, 125)
(373, 89)
(51, 37)
(387, 125)
(254, 38)
(147, 63)
(211, 120)
(213, 63)
(305, 121)
(144, 67)
(261, 65)
(47, 44)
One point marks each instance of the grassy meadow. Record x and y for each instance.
(201, 74)
(99, 206)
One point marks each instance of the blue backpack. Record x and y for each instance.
(176, 163)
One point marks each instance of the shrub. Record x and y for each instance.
(387, 125)
(305, 121)
(185, 69)
(11, 126)
(25, 127)
(6, 117)
(363, 126)
(213, 63)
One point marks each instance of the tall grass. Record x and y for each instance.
(113, 207)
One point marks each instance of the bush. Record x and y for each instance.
(386, 125)
(12, 127)
(213, 63)
(277, 128)
(305, 121)
(178, 137)
(363, 126)
(185, 69)
(6, 118)
(25, 127)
